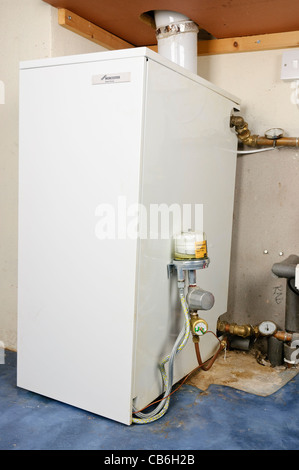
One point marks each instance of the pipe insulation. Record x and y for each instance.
(287, 269)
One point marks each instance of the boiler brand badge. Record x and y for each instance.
(111, 78)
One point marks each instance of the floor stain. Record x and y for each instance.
(242, 371)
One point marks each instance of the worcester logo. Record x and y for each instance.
(110, 77)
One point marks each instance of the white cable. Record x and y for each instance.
(255, 151)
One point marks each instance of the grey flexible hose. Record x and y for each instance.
(180, 342)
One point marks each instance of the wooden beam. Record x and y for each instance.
(262, 42)
(90, 31)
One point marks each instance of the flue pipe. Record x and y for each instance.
(177, 38)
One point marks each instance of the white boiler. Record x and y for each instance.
(112, 146)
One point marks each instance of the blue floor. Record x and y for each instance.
(220, 418)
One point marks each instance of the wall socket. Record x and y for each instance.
(290, 65)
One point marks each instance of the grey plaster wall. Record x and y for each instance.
(266, 218)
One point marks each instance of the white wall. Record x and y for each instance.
(28, 30)
(266, 214)
(255, 78)
(24, 32)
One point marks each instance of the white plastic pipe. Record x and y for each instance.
(177, 38)
(165, 17)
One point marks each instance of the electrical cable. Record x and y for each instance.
(243, 152)
(180, 342)
(207, 362)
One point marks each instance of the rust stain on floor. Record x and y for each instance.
(241, 370)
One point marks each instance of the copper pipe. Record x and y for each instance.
(211, 362)
(281, 142)
(283, 336)
(250, 140)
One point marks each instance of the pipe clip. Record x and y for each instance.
(176, 28)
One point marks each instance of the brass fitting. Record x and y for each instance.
(244, 135)
(193, 319)
(232, 328)
(198, 327)
(223, 343)
(241, 330)
(243, 132)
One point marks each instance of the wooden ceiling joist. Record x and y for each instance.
(262, 42)
(75, 23)
(88, 30)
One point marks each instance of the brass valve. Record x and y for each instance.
(239, 330)
(198, 326)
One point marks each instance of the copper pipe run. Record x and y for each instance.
(245, 331)
(245, 136)
(283, 336)
(207, 365)
(281, 142)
